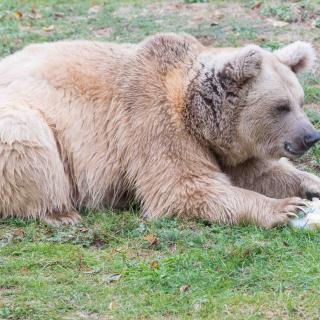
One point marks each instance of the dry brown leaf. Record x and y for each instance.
(86, 270)
(18, 14)
(35, 16)
(58, 15)
(18, 233)
(48, 28)
(95, 9)
(216, 15)
(33, 9)
(257, 5)
(34, 13)
(184, 288)
(151, 239)
(105, 32)
(24, 270)
(214, 23)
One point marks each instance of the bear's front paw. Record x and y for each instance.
(310, 186)
(283, 210)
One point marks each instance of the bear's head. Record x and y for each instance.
(249, 103)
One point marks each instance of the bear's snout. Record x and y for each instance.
(301, 144)
(311, 139)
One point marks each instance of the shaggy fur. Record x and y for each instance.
(187, 130)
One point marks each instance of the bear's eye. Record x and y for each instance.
(283, 108)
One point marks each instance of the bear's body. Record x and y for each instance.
(91, 125)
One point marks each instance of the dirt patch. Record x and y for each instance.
(103, 33)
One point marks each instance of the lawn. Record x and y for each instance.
(115, 265)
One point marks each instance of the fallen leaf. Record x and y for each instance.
(151, 239)
(184, 288)
(38, 16)
(215, 16)
(18, 14)
(34, 13)
(94, 9)
(49, 28)
(105, 32)
(214, 23)
(58, 15)
(86, 270)
(33, 9)
(257, 5)
(154, 265)
(18, 233)
(262, 38)
(277, 23)
(115, 250)
(24, 270)
(111, 277)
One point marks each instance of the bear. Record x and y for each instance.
(186, 130)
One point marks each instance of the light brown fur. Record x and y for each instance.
(89, 125)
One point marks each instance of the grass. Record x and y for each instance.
(121, 267)
(116, 265)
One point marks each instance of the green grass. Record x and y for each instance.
(118, 266)
(293, 11)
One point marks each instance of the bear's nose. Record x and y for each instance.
(311, 139)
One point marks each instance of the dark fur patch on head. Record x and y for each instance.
(213, 105)
(229, 84)
(204, 100)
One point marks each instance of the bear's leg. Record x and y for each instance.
(33, 183)
(275, 178)
(213, 199)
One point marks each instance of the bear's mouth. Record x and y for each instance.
(290, 149)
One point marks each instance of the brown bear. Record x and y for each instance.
(186, 130)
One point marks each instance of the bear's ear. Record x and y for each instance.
(243, 65)
(299, 56)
